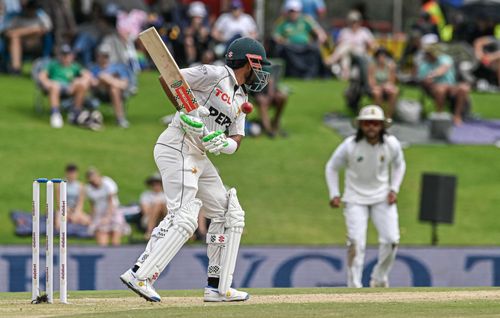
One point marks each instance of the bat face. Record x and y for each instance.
(171, 79)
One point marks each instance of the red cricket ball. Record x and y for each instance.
(246, 107)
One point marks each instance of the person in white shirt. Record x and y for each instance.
(190, 179)
(374, 169)
(234, 24)
(153, 204)
(353, 41)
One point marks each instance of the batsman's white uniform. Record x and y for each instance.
(371, 172)
(190, 177)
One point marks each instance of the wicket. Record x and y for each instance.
(49, 249)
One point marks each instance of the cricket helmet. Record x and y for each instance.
(247, 50)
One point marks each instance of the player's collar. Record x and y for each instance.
(231, 72)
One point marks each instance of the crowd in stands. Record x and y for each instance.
(92, 54)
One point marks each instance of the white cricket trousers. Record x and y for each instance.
(385, 219)
(187, 173)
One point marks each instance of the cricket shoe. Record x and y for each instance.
(142, 288)
(378, 284)
(212, 295)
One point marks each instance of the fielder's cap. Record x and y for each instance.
(293, 5)
(239, 48)
(197, 9)
(153, 178)
(372, 112)
(236, 4)
(65, 49)
(354, 16)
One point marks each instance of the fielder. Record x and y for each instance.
(190, 180)
(374, 169)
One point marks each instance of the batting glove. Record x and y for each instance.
(191, 125)
(215, 141)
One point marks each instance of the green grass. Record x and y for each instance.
(280, 182)
(289, 303)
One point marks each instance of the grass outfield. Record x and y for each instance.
(280, 182)
(288, 303)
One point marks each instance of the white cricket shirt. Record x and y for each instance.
(371, 171)
(216, 88)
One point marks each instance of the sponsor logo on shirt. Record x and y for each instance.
(223, 96)
(220, 118)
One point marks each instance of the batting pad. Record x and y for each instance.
(235, 222)
(184, 223)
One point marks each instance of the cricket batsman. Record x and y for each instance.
(191, 181)
(374, 169)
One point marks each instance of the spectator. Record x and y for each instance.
(436, 73)
(382, 80)
(296, 36)
(374, 169)
(235, 24)
(74, 196)
(107, 220)
(271, 97)
(63, 78)
(196, 34)
(316, 9)
(487, 51)
(153, 204)
(354, 41)
(26, 30)
(110, 83)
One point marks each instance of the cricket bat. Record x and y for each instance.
(171, 79)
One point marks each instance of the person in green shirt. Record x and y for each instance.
(64, 77)
(298, 38)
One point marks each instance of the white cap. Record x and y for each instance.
(371, 112)
(354, 16)
(293, 5)
(197, 9)
(428, 40)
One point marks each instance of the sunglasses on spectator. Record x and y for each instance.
(371, 123)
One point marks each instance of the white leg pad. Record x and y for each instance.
(235, 222)
(167, 239)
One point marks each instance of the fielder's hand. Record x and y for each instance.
(392, 197)
(335, 202)
(215, 141)
(191, 125)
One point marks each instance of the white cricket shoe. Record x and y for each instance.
(378, 284)
(142, 288)
(56, 120)
(212, 295)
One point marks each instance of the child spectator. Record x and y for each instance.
(64, 77)
(107, 220)
(153, 204)
(75, 193)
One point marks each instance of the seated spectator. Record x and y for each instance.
(110, 82)
(297, 37)
(153, 204)
(382, 81)
(271, 97)
(436, 73)
(75, 193)
(108, 222)
(64, 77)
(235, 24)
(487, 51)
(26, 30)
(353, 44)
(196, 34)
